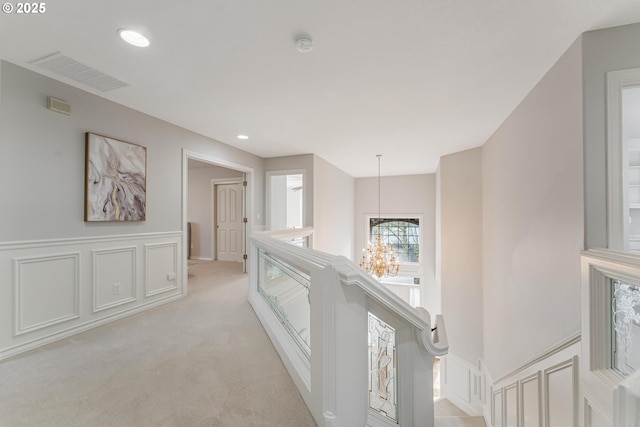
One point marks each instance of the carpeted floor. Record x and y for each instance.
(449, 415)
(201, 361)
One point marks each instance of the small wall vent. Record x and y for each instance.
(59, 106)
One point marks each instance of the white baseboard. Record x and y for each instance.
(48, 339)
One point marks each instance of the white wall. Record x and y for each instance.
(200, 203)
(43, 233)
(461, 252)
(533, 221)
(604, 50)
(333, 195)
(410, 194)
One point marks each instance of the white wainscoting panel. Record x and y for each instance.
(530, 392)
(46, 291)
(496, 409)
(544, 392)
(161, 267)
(60, 287)
(459, 383)
(561, 394)
(593, 418)
(114, 277)
(511, 405)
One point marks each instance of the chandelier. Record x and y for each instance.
(379, 259)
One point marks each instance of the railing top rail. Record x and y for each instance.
(304, 256)
(351, 275)
(289, 232)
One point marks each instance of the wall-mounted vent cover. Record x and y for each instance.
(68, 67)
(59, 106)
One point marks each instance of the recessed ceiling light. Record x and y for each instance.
(133, 37)
(243, 137)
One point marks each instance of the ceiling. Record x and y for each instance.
(412, 80)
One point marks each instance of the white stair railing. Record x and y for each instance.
(358, 354)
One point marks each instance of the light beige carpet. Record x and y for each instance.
(449, 415)
(201, 361)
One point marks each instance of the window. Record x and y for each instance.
(623, 157)
(285, 190)
(403, 233)
(625, 322)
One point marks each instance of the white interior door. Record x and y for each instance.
(229, 222)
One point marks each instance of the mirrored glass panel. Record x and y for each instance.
(286, 289)
(382, 368)
(625, 322)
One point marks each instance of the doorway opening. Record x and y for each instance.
(216, 206)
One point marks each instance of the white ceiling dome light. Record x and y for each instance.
(133, 37)
(304, 43)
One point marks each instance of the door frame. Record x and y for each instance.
(214, 213)
(249, 205)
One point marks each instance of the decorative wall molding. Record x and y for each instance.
(511, 404)
(520, 396)
(528, 417)
(459, 381)
(545, 355)
(497, 408)
(84, 240)
(157, 281)
(29, 291)
(593, 417)
(573, 369)
(64, 286)
(127, 290)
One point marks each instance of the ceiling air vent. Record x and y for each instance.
(58, 105)
(70, 68)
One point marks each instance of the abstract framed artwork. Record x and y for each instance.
(115, 180)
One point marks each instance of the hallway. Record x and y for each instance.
(203, 360)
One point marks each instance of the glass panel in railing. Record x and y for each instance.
(303, 241)
(625, 322)
(286, 289)
(382, 368)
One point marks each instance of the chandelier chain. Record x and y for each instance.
(377, 258)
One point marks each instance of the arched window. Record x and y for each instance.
(403, 233)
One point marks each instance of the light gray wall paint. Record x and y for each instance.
(200, 204)
(533, 232)
(302, 161)
(603, 50)
(42, 160)
(333, 203)
(410, 194)
(461, 251)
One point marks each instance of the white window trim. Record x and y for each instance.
(269, 174)
(616, 200)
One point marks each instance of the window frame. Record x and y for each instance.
(305, 187)
(617, 202)
(407, 269)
